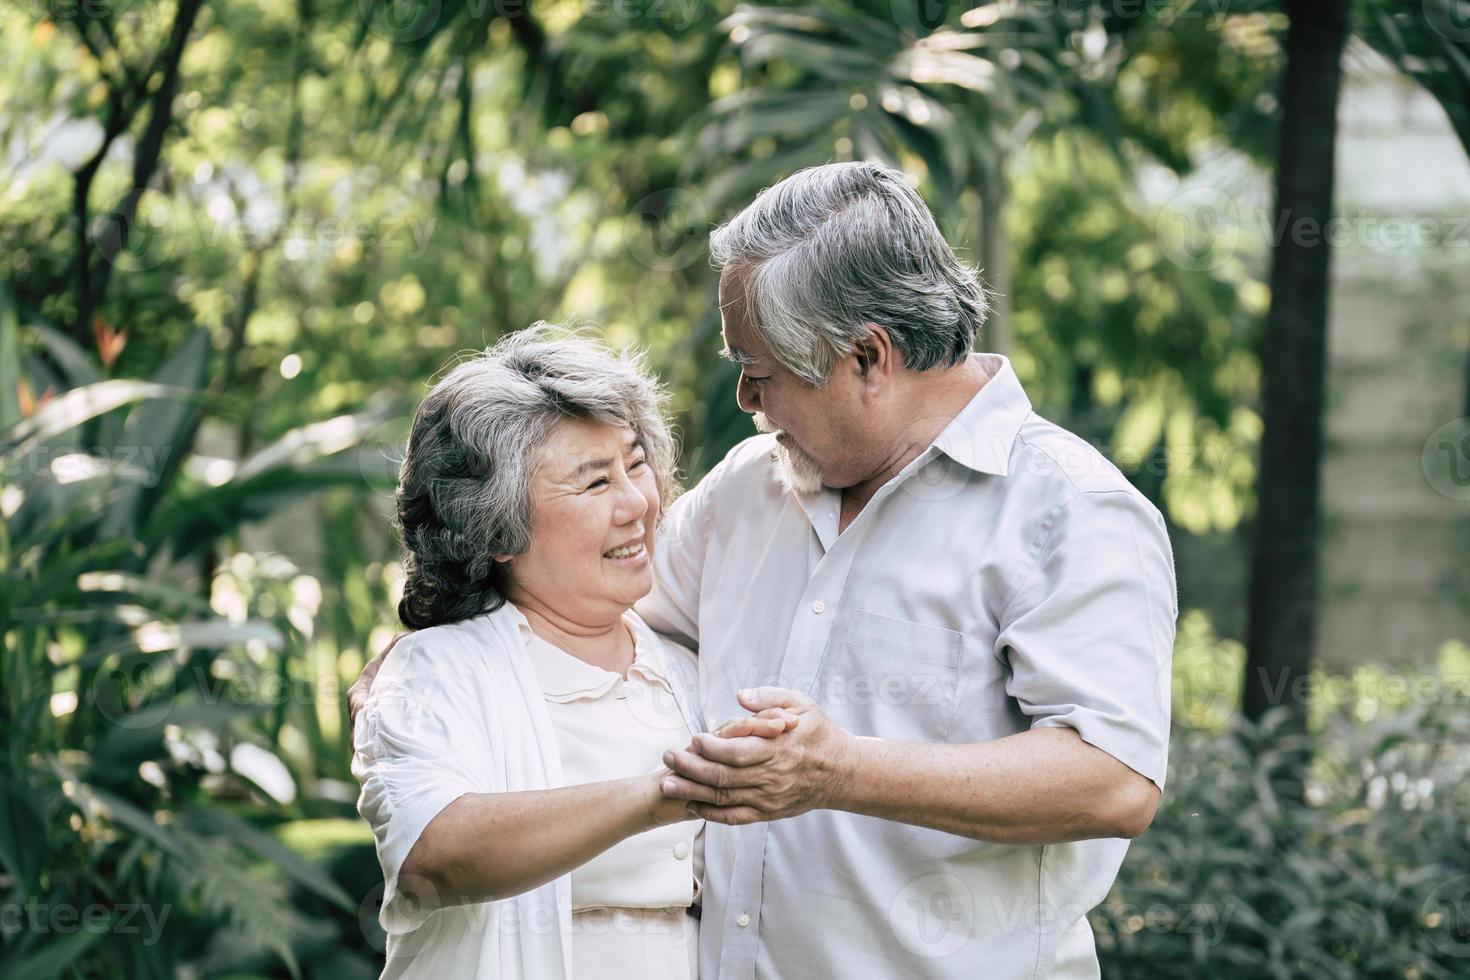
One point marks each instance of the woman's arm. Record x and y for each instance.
(489, 846)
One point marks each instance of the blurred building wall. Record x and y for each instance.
(1396, 550)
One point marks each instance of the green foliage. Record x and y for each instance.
(347, 194)
(124, 763)
(1366, 878)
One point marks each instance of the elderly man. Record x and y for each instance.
(970, 610)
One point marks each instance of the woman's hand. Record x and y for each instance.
(663, 810)
(767, 723)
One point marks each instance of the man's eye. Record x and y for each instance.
(757, 380)
(596, 483)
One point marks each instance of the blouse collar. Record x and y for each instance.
(564, 677)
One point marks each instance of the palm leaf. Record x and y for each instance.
(79, 367)
(9, 362)
(76, 407)
(160, 431)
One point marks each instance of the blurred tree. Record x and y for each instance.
(1066, 109)
(1284, 578)
(129, 87)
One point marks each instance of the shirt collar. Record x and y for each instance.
(981, 435)
(564, 677)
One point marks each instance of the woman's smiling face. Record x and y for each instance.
(594, 504)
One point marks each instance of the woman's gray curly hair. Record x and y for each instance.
(465, 483)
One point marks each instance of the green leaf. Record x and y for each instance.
(76, 407)
(306, 459)
(54, 958)
(295, 867)
(158, 433)
(160, 636)
(137, 586)
(22, 829)
(309, 443)
(9, 362)
(79, 366)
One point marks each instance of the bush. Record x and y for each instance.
(1368, 876)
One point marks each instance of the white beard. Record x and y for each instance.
(799, 472)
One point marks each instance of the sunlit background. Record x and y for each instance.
(238, 238)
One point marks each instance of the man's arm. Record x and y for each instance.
(672, 606)
(1044, 786)
(1038, 787)
(1087, 639)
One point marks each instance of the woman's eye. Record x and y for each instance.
(637, 463)
(596, 483)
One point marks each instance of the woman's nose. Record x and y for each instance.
(632, 504)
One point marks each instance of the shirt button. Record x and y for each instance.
(743, 921)
(681, 851)
(818, 606)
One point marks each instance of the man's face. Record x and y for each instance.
(818, 430)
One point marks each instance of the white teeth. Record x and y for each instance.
(631, 551)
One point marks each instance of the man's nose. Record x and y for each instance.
(747, 396)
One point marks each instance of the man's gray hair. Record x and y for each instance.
(464, 490)
(831, 249)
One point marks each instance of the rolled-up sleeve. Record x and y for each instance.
(1089, 633)
(412, 758)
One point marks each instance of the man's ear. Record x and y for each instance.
(875, 353)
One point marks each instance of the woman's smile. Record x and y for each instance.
(628, 556)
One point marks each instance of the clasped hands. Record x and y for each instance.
(785, 758)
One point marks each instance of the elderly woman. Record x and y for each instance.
(510, 750)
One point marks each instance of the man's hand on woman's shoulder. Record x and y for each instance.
(357, 694)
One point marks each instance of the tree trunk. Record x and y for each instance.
(93, 276)
(1282, 626)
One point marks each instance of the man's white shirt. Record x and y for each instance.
(1008, 578)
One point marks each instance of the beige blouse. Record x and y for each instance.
(630, 903)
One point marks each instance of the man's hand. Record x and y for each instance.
(747, 778)
(357, 694)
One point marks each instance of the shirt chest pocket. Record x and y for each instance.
(891, 678)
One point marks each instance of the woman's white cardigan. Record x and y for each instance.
(457, 709)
